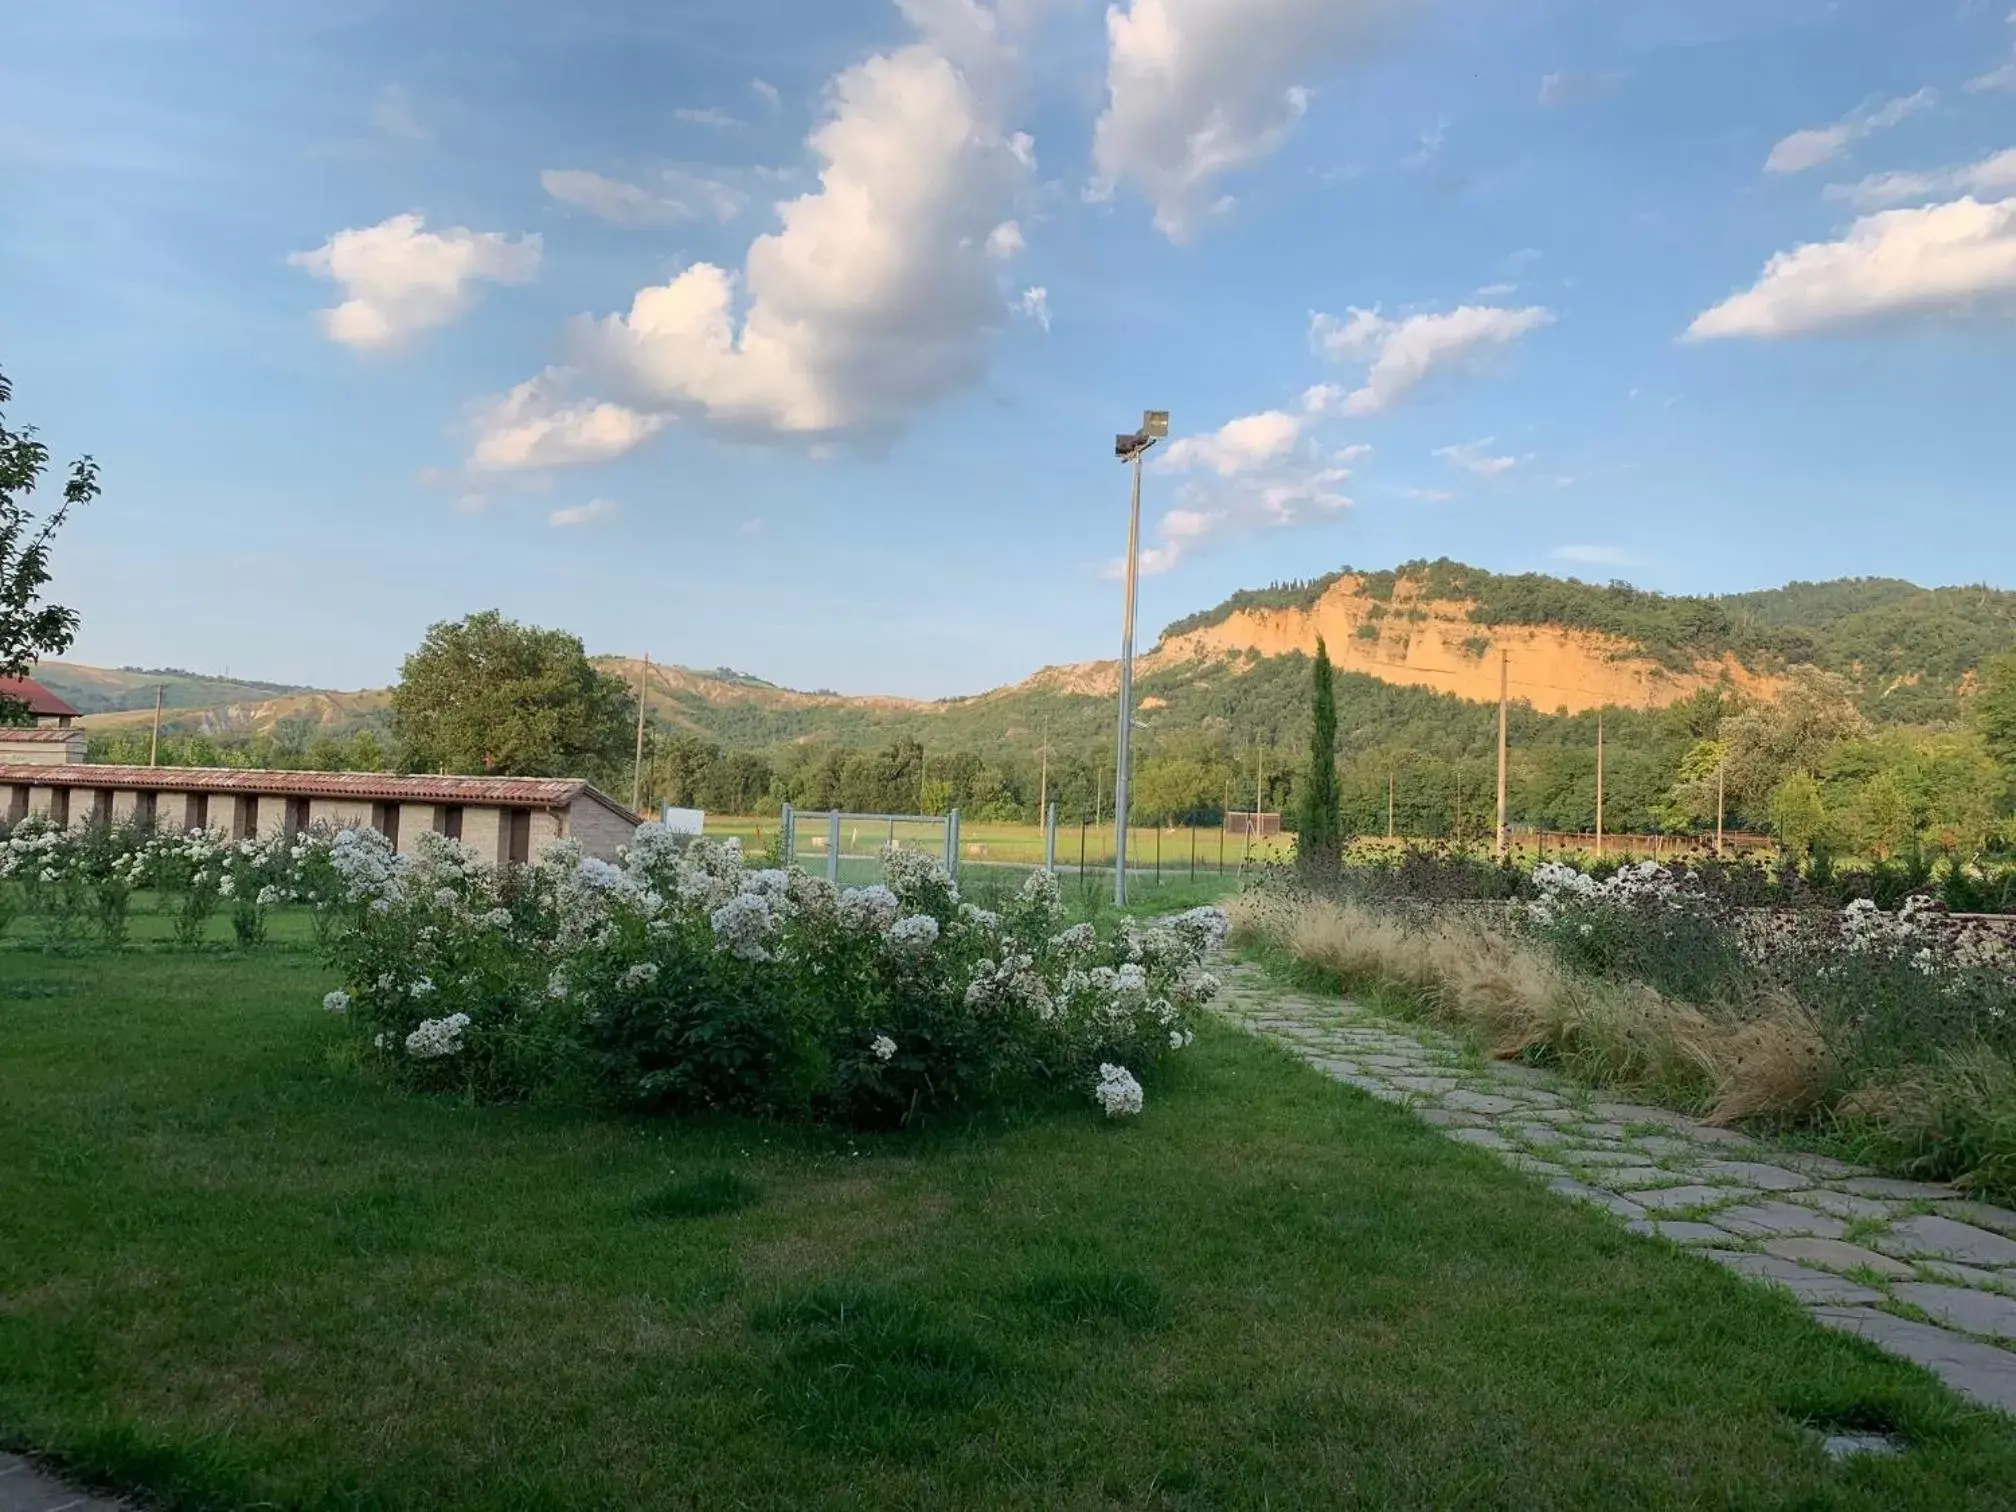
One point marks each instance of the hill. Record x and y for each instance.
(1411, 641)
(100, 690)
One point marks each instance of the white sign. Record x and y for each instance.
(685, 821)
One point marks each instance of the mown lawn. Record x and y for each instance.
(234, 1272)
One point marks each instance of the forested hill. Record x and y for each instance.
(1911, 652)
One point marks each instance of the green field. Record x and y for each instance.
(237, 1272)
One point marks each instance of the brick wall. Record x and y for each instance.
(600, 832)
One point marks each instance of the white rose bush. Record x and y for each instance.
(683, 981)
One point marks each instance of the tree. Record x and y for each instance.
(486, 694)
(1792, 734)
(1321, 831)
(29, 628)
(1798, 816)
(1995, 709)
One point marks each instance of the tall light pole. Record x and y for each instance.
(1130, 449)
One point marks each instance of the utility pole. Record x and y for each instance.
(637, 773)
(1043, 784)
(1389, 803)
(1721, 766)
(154, 743)
(1599, 784)
(1504, 683)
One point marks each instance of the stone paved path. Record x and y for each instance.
(23, 1488)
(1912, 1266)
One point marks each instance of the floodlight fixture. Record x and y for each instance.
(1154, 424)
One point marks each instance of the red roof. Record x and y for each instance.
(507, 792)
(41, 702)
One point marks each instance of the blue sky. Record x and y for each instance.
(793, 336)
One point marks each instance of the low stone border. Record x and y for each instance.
(1913, 1266)
(23, 1488)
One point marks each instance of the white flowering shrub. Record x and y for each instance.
(685, 981)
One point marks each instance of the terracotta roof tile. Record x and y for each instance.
(38, 698)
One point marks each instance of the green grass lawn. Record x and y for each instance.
(234, 1272)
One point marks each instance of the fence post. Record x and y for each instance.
(1050, 838)
(952, 843)
(787, 835)
(833, 847)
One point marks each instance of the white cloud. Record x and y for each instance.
(1497, 290)
(399, 279)
(1431, 145)
(1238, 446)
(2003, 78)
(1475, 457)
(1430, 495)
(720, 120)
(1994, 174)
(1197, 89)
(1935, 260)
(1593, 556)
(1572, 88)
(753, 526)
(582, 514)
(1256, 475)
(877, 295)
(1822, 144)
(765, 92)
(612, 200)
(1005, 241)
(471, 503)
(1401, 355)
(1035, 305)
(392, 113)
(538, 425)
(1322, 398)
(686, 195)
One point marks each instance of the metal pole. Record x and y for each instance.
(787, 835)
(1050, 838)
(1389, 803)
(833, 847)
(637, 774)
(1504, 675)
(154, 744)
(1123, 748)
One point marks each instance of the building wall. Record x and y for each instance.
(42, 752)
(341, 813)
(271, 818)
(600, 832)
(483, 832)
(549, 826)
(415, 819)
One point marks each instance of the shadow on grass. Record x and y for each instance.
(708, 1195)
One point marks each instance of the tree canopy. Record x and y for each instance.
(29, 628)
(486, 694)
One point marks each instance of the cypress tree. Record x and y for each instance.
(1322, 832)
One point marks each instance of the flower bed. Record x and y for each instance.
(683, 981)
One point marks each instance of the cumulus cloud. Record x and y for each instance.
(682, 195)
(1256, 474)
(880, 290)
(1822, 144)
(1197, 89)
(1035, 305)
(720, 120)
(1005, 241)
(582, 514)
(1946, 259)
(1573, 88)
(1238, 446)
(766, 92)
(538, 424)
(399, 279)
(1994, 174)
(1476, 457)
(1401, 355)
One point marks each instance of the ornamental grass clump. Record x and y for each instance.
(683, 981)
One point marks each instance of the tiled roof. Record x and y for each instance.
(509, 792)
(39, 699)
(16, 734)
